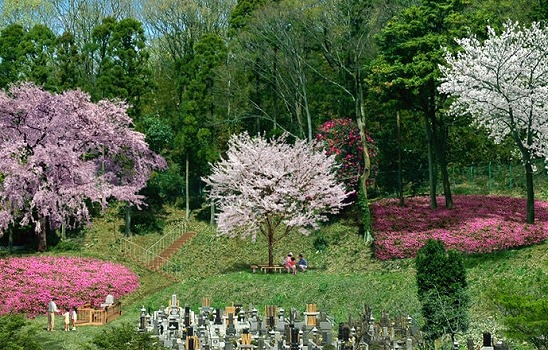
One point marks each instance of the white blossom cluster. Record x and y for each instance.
(503, 83)
(267, 185)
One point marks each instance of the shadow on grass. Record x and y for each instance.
(475, 260)
(241, 267)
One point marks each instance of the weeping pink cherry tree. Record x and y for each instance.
(271, 187)
(58, 151)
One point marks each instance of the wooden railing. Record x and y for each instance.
(88, 316)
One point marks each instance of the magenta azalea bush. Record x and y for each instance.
(477, 224)
(27, 284)
(342, 138)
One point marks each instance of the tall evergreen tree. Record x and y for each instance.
(10, 54)
(442, 290)
(122, 62)
(410, 48)
(195, 134)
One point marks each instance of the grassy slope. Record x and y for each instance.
(342, 279)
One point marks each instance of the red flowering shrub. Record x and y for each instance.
(477, 224)
(342, 138)
(28, 284)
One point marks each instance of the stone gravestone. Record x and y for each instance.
(109, 300)
(487, 342)
(325, 329)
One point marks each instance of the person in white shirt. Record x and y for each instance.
(52, 310)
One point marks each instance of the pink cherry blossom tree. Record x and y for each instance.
(503, 83)
(271, 187)
(59, 151)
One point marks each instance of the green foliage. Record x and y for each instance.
(124, 337)
(69, 59)
(159, 134)
(320, 242)
(120, 52)
(363, 203)
(16, 335)
(241, 15)
(10, 54)
(66, 245)
(526, 319)
(166, 186)
(442, 290)
(524, 308)
(38, 49)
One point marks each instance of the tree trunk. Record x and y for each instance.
(446, 183)
(187, 189)
(360, 119)
(42, 244)
(441, 147)
(212, 214)
(10, 241)
(400, 182)
(432, 178)
(128, 220)
(526, 157)
(302, 82)
(530, 192)
(270, 248)
(63, 231)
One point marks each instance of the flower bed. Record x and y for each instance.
(27, 284)
(477, 224)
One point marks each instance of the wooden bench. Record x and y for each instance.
(266, 268)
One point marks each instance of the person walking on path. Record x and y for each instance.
(52, 310)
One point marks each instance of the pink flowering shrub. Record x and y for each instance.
(477, 224)
(27, 284)
(342, 138)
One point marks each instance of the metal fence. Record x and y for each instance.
(485, 178)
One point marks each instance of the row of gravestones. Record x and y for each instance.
(235, 328)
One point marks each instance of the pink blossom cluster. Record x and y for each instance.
(476, 224)
(341, 138)
(27, 284)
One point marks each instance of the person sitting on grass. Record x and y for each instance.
(291, 265)
(287, 261)
(302, 264)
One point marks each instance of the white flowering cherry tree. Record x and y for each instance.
(271, 187)
(503, 83)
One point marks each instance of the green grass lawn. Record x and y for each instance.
(342, 279)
